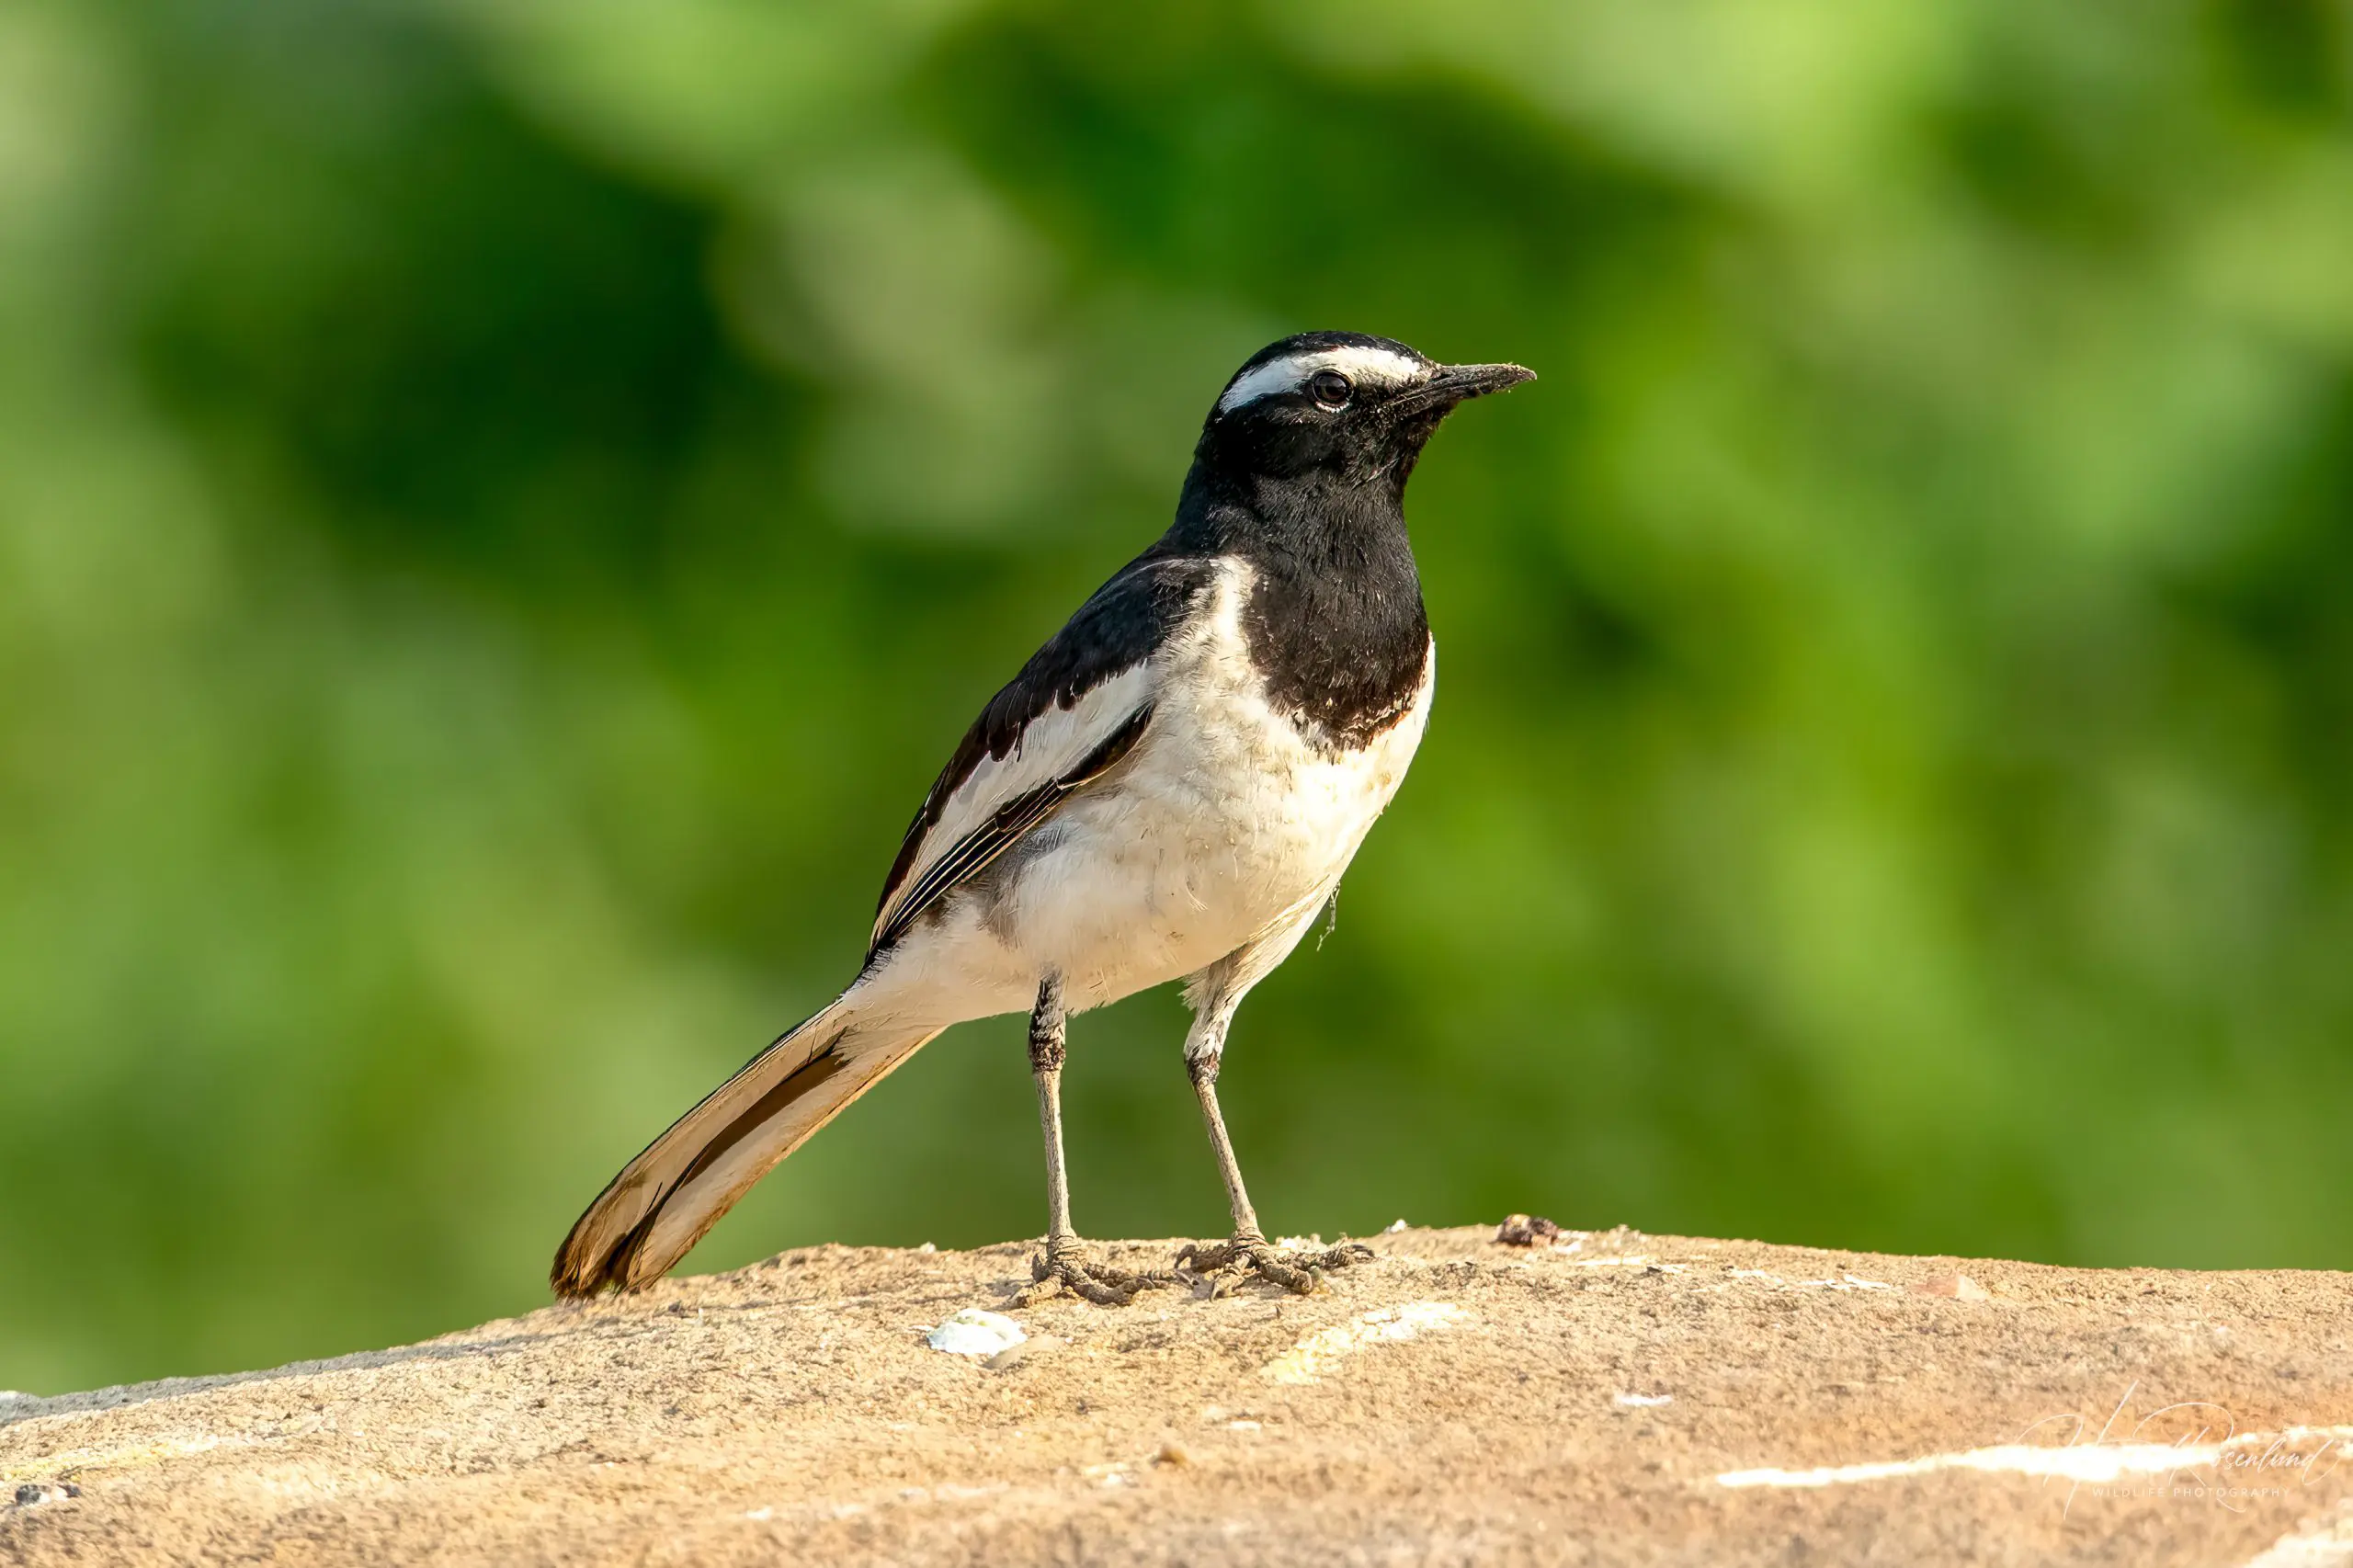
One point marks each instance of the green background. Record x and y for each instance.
(503, 507)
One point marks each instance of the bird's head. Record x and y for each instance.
(1348, 405)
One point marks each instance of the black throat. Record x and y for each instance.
(1334, 620)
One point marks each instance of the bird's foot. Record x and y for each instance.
(1298, 1271)
(1066, 1265)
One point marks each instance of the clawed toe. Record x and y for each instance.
(1097, 1282)
(1298, 1272)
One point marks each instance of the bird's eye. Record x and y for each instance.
(1331, 389)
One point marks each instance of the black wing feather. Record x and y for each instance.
(1123, 624)
(980, 848)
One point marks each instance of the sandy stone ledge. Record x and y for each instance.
(1602, 1398)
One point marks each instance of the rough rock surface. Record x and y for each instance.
(1597, 1398)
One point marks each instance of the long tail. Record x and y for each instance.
(663, 1201)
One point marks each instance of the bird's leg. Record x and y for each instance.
(1298, 1272)
(1047, 1050)
(1065, 1259)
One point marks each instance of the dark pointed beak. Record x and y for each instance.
(1478, 380)
(1451, 384)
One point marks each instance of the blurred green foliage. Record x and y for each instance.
(504, 504)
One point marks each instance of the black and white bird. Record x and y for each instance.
(1170, 788)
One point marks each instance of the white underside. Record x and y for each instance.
(1222, 829)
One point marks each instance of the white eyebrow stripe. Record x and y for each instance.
(1290, 372)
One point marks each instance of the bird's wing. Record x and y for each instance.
(1079, 705)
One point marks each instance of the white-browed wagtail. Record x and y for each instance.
(1170, 788)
